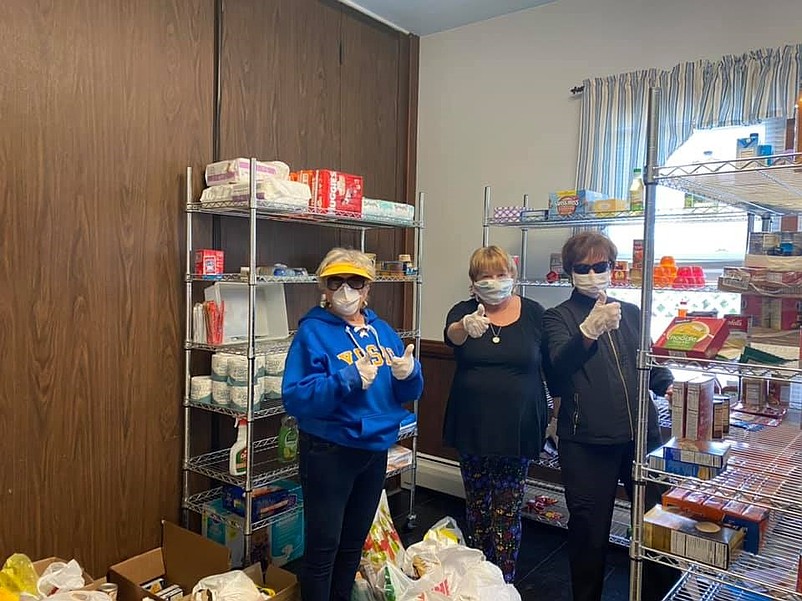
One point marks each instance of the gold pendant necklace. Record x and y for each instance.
(495, 339)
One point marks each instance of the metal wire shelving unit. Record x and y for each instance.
(263, 466)
(767, 464)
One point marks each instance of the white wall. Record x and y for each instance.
(495, 109)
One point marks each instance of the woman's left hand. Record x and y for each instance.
(403, 366)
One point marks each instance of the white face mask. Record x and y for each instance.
(590, 284)
(493, 292)
(346, 301)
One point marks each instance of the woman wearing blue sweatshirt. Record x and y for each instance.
(346, 380)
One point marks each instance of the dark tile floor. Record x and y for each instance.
(542, 561)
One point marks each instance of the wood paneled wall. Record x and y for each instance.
(317, 85)
(103, 104)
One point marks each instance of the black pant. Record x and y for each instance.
(342, 488)
(590, 475)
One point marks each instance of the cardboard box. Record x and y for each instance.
(693, 337)
(266, 500)
(216, 529)
(784, 313)
(607, 206)
(681, 535)
(287, 539)
(699, 408)
(283, 582)
(678, 404)
(700, 452)
(571, 203)
(209, 262)
(333, 191)
(183, 558)
(656, 461)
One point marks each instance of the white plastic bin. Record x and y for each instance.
(271, 310)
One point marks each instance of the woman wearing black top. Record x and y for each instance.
(497, 411)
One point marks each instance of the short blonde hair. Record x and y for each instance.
(346, 255)
(491, 258)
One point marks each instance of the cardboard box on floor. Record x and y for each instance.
(185, 558)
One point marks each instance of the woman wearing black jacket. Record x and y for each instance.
(591, 364)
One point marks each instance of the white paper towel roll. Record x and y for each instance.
(201, 389)
(220, 394)
(238, 396)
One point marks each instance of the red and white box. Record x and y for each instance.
(209, 262)
(333, 191)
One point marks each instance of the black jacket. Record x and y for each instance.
(598, 386)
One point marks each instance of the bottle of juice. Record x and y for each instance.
(238, 456)
(288, 439)
(636, 192)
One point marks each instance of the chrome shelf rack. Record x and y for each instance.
(264, 467)
(769, 461)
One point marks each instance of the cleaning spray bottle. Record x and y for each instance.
(238, 456)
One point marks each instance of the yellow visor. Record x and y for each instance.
(345, 269)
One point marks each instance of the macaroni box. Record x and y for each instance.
(571, 203)
(692, 337)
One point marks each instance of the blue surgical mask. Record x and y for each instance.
(493, 292)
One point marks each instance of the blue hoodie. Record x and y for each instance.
(323, 390)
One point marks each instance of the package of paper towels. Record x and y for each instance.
(238, 171)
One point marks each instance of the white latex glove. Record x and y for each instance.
(476, 323)
(402, 366)
(602, 318)
(367, 371)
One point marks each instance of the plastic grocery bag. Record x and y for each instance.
(383, 545)
(398, 586)
(61, 577)
(231, 586)
(446, 531)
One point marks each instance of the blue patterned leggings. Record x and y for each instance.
(494, 495)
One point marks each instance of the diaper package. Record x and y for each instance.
(237, 171)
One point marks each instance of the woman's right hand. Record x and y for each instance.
(476, 323)
(367, 371)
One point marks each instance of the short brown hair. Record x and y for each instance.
(491, 258)
(580, 245)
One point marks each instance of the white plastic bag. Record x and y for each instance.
(499, 592)
(61, 577)
(429, 587)
(79, 596)
(231, 586)
(446, 531)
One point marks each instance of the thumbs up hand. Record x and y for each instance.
(476, 323)
(367, 371)
(403, 366)
(603, 317)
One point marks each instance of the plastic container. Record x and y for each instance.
(288, 439)
(636, 189)
(271, 310)
(238, 456)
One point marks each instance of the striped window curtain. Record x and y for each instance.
(734, 90)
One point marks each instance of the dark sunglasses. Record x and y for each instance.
(354, 282)
(600, 267)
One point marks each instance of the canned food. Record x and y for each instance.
(110, 589)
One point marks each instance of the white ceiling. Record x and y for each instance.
(423, 17)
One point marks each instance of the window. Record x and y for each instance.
(711, 244)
